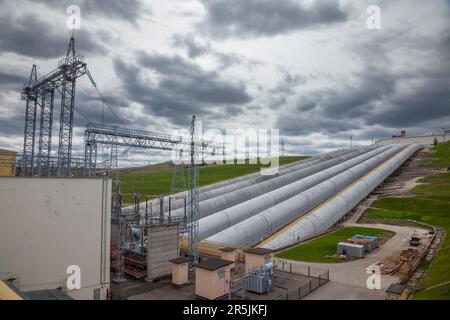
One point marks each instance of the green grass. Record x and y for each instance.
(321, 249)
(430, 204)
(158, 181)
(429, 210)
(438, 177)
(440, 156)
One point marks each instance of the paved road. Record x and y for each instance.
(348, 279)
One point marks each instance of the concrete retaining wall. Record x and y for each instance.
(163, 245)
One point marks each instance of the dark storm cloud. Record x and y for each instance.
(180, 89)
(197, 48)
(309, 123)
(129, 10)
(31, 36)
(194, 47)
(90, 108)
(253, 18)
(10, 80)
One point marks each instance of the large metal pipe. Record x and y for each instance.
(231, 185)
(287, 176)
(223, 219)
(260, 226)
(322, 218)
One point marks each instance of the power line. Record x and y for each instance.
(97, 89)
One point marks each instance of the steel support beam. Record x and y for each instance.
(193, 213)
(66, 124)
(30, 95)
(45, 132)
(114, 135)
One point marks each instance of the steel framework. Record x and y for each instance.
(40, 92)
(71, 67)
(114, 135)
(193, 213)
(45, 132)
(30, 95)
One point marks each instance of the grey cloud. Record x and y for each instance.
(31, 36)
(10, 80)
(253, 18)
(197, 48)
(129, 10)
(181, 89)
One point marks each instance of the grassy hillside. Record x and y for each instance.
(159, 180)
(430, 204)
(321, 249)
(441, 156)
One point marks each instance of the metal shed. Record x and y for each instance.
(350, 249)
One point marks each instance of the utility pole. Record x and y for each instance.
(193, 214)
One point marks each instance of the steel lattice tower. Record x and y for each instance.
(193, 213)
(45, 130)
(30, 95)
(41, 93)
(69, 68)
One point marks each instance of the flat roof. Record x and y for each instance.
(359, 240)
(350, 245)
(179, 260)
(396, 288)
(258, 251)
(7, 151)
(213, 264)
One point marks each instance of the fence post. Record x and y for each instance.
(290, 267)
(310, 286)
(308, 271)
(320, 283)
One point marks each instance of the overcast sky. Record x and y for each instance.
(311, 69)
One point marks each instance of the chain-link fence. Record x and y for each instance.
(315, 278)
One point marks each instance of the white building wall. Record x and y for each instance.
(418, 139)
(47, 224)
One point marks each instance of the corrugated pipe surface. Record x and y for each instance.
(265, 199)
(287, 176)
(322, 218)
(255, 229)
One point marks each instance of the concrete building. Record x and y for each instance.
(7, 163)
(163, 246)
(229, 254)
(180, 269)
(212, 277)
(51, 228)
(429, 139)
(257, 257)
